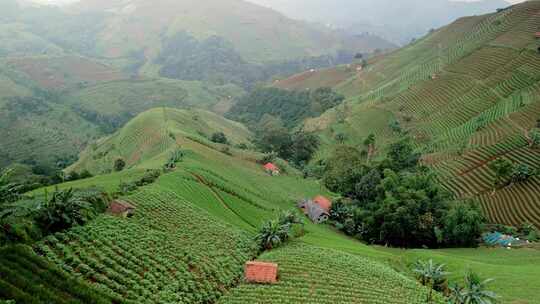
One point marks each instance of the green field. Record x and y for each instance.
(467, 93)
(195, 226)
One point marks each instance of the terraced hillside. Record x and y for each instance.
(52, 107)
(305, 278)
(193, 230)
(154, 134)
(469, 93)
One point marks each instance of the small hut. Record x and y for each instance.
(537, 35)
(318, 209)
(271, 169)
(121, 208)
(260, 272)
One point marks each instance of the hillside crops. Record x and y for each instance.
(469, 93)
(313, 275)
(28, 278)
(169, 251)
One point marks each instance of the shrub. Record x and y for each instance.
(272, 234)
(67, 208)
(219, 137)
(175, 157)
(149, 177)
(119, 164)
(474, 291)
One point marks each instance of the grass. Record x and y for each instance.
(228, 197)
(309, 274)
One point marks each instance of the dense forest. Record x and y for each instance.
(216, 60)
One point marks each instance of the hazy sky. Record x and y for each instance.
(67, 1)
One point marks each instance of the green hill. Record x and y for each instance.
(154, 134)
(100, 63)
(193, 230)
(469, 95)
(52, 107)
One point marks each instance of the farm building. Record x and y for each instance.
(318, 209)
(271, 169)
(121, 208)
(537, 35)
(260, 272)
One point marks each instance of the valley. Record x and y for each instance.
(151, 150)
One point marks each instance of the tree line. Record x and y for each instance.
(396, 201)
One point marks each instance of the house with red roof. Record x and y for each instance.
(537, 35)
(271, 169)
(317, 209)
(260, 272)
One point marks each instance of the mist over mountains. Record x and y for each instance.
(398, 21)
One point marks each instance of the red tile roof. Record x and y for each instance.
(322, 201)
(537, 34)
(271, 167)
(260, 272)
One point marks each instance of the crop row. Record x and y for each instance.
(169, 251)
(315, 275)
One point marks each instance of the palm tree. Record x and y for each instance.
(429, 273)
(9, 192)
(475, 291)
(273, 234)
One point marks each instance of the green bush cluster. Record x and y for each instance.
(28, 220)
(276, 232)
(397, 202)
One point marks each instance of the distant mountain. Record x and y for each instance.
(95, 64)
(256, 33)
(399, 21)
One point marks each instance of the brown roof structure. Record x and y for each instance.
(261, 272)
(537, 34)
(119, 207)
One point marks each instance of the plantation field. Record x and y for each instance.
(64, 72)
(468, 93)
(28, 278)
(193, 230)
(153, 135)
(514, 271)
(122, 100)
(313, 79)
(18, 40)
(232, 194)
(33, 138)
(308, 274)
(268, 37)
